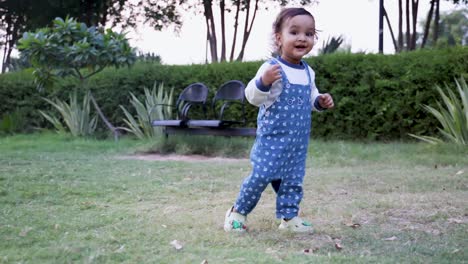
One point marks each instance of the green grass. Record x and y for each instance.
(68, 200)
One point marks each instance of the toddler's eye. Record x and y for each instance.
(293, 33)
(310, 34)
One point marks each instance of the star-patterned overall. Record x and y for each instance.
(280, 149)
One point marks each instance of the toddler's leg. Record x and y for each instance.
(250, 193)
(288, 198)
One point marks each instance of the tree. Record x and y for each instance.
(452, 30)
(408, 13)
(70, 48)
(18, 16)
(249, 8)
(245, 10)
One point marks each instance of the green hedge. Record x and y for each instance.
(376, 96)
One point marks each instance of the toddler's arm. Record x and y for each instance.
(319, 101)
(258, 89)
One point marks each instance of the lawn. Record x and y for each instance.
(68, 200)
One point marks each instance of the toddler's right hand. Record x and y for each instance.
(271, 74)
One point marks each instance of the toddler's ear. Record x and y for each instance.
(278, 39)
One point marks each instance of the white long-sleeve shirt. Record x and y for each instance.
(257, 94)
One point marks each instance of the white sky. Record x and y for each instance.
(356, 20)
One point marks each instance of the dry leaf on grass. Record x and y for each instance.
(310, 250)
(271, 251)
(353, 225)
(338, 246)
(390, 238)
(120, 249)
(25, 231)
(455, 221)
(176, 244)
(338, 243)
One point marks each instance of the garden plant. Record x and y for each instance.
(70, 48)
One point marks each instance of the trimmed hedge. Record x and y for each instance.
(377, 97)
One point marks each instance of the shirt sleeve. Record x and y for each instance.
(255, 92)
(315, 93)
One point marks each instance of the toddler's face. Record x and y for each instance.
(296, 38)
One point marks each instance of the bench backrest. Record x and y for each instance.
(228, 93)
(195, 93)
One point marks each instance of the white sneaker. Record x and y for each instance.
(234, 222)
(296, 225)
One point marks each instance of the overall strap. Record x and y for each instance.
(274, 61)
(308, 72)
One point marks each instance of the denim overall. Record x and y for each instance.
(280, 150)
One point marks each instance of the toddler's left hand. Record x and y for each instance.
(326, 101)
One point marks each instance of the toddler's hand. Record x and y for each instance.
(326, 101)
(272, 74)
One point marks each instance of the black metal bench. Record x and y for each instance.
(230, 93)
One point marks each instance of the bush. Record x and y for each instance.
(452, 114)
(377, 97)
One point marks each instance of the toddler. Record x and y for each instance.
(284, 90)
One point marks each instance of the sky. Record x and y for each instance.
(355, 20)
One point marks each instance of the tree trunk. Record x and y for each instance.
(5, 51)
(408, 32)
(210, 26)
(391, 30)
(8, 30)
(11, 37)
(112, 128)
(247, 28)
(400, 26)
(223, 31)
(415, 5)
(428, 24)
(436, 22)
(236, 24)
(211, 29)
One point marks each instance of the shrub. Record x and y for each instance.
(77, 118)
(378, 97)
(452, 114)
(157, 106)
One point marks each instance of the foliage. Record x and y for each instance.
(149, 57)
(407, 40)
(18, 64)
(157, 106)
(452, 114)
(453, 29)
(19, 16)
(69, 47)
(77, 118)
(14, 122)
(160, 15)
(332, 45)
(378, 97)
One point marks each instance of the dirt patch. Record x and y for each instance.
(174, 157)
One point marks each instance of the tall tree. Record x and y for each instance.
(18, 16)
(245, 10)
(452, 30)
(408, 40)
